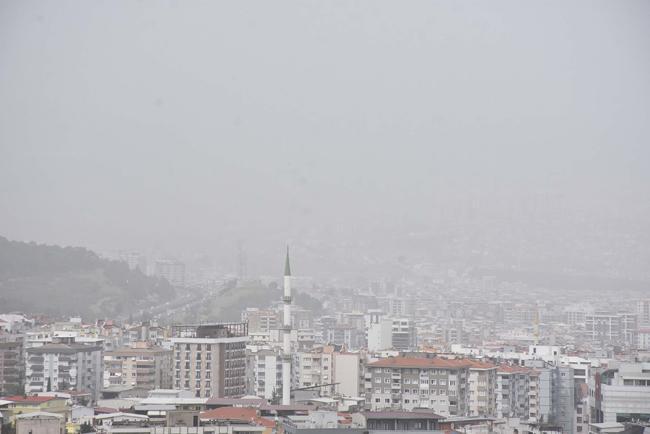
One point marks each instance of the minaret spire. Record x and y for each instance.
(287, 266)
(286, 334)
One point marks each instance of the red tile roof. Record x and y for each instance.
(239, 414)
(479, 364)
(513, 369)
(29, 399)
(420, 362)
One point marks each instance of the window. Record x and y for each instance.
(377, 379)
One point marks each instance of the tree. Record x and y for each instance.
(86, 427)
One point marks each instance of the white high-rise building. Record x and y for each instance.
(266, 365)
(380, 331)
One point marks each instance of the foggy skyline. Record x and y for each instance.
(185, 127)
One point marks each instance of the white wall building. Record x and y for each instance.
(348, 374)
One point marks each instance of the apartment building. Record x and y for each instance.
(481, 389)
(314, 368)
(65, 365)
(404, 334)
(12, 366)
(145, 367)
(513, 384)
(607, 328)
(265, 373)
(412, 382)
(210, 359)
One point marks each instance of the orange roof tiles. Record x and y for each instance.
(479, 364)
(240, 414)
(30, 399)
(420, 362)
(515, 369)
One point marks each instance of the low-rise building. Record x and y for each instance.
(40, 423)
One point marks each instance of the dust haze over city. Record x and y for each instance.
(448, 180)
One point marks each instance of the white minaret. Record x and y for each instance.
(286, 347)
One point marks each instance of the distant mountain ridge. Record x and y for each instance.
(55, 280)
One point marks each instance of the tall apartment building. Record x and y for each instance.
(481, 389)
(145, 367)
(65, 365)
(513, 384)
(404, 334)
(12, 366)
(265, 373)
(552, 394)
(210, 359)
(173, 271)
(410, 382)
(563, 404)
(379, 330)
(611, 328)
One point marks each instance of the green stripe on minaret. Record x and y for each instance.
(287, 267)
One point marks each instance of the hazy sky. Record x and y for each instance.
(184, 125)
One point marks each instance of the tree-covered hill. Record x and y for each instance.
(72, 281)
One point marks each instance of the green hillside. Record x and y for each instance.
(56, 280)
